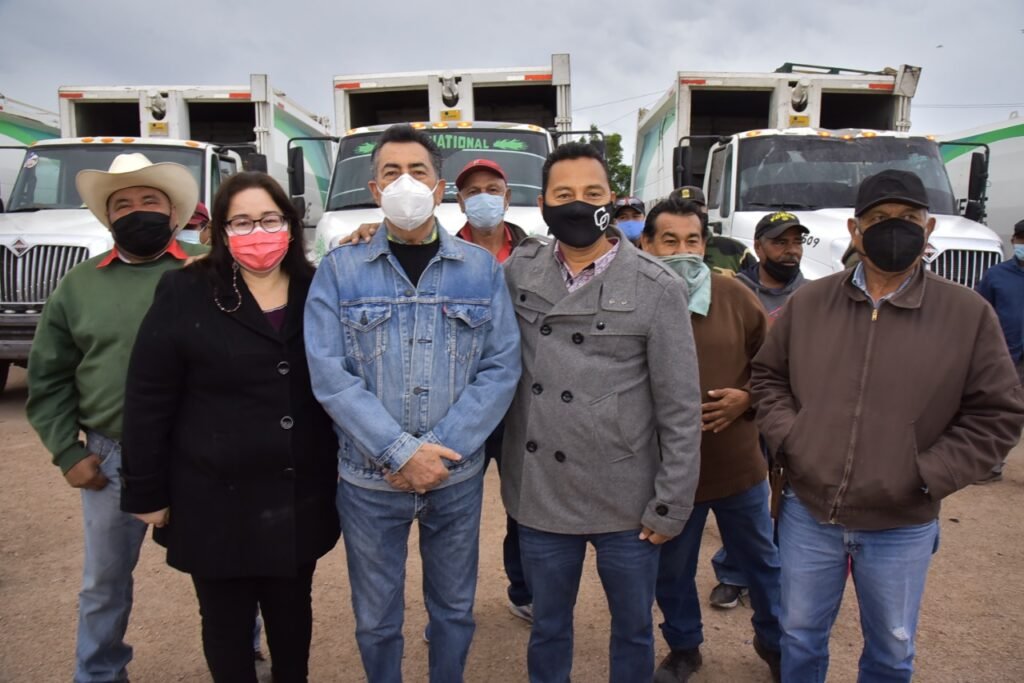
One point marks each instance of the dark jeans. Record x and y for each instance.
(518, 591)
(628, 568)
(227, 607)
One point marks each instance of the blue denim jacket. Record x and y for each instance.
(396, 366)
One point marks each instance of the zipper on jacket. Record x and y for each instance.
(844, 483)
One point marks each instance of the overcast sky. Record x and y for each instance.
(971, 52)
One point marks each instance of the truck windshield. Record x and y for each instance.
(46, 179)
(803, 172)
(521, 153)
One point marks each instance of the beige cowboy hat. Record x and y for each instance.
(135, 170)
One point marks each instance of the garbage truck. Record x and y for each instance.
(20, 124)
(513, 116)
(802, 139)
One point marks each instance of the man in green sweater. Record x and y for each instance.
(76, 378)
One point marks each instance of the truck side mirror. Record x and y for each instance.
(978, 178)
(682, 161)
(256, 162)
(974, 211)
(296, 172)
(300, 205)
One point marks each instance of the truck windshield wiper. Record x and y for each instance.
(779, 205)
(358, 205)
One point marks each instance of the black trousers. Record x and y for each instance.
(227, 607)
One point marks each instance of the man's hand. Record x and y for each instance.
(86, 474)
(653, 536)
(426, 469)
(398, 481)
(361, 234)
(158, 519)
(728, 405)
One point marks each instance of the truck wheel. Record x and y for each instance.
(5, 369)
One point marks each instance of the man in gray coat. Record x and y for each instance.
(602, 440)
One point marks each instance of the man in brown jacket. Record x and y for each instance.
(924, 402)
(729, 327)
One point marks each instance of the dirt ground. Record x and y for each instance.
(970, 628)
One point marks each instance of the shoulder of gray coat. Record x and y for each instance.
(653, 267)
(532, 245)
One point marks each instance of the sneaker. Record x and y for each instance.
(726, 595)
(678, 666)
(990, 479)
(772, 657)
(426, 634)
(524, 612)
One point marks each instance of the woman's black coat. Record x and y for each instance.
(221, 425)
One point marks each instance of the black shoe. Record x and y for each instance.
(678, 666)
(772, 657)
(726, 595)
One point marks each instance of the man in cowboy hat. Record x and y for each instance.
(76, 379)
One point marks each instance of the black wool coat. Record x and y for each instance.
(221, 426)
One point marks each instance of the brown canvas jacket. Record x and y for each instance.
(879, 414)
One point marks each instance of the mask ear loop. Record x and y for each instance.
(234, 285)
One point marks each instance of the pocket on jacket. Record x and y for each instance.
(606, 430)
(465, 325)
(365, 329)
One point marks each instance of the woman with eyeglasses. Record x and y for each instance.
(226, 451)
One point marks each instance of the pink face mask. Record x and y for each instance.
(259, 251)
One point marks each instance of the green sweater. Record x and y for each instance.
(79, 359)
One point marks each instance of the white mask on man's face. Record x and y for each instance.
(407, 203)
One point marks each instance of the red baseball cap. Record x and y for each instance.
(200, 216)
(479, 164)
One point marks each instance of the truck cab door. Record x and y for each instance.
(718, 190)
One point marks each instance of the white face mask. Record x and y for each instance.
(407, 203)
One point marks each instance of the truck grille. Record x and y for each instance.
(32, 277)
(964, 266)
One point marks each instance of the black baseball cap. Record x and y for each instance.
(1018, 228)
(691, 193)
(774, 224)
(902, 187)
(629, 202)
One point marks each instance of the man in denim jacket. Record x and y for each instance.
(414, 352)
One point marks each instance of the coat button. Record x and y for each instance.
(567, 396)
(419, 390)
(662, 510)
(288, 473)
(283, 367)
(545, 329)
(409, 292)
(600, 324)
(287, 422)
(559, 456)
(522, 297)
(537, 389)
(531, 446)
(577, 338)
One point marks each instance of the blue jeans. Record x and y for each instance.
(376, 533)
(889, 569)
(746, 526)
(628, 568)
(726, 570)
(112, 543)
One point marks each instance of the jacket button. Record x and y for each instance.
(283, 367)
(288, 473)
(287, 422)
(567, 396)
(662, 510)
(531, 446)
(537, 389)
(409, 292)
(522, 297)
(600, 324)
(545, 329)
(577, 338)
(559, 456)
(419, 390)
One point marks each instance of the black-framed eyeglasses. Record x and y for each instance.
(270, 222)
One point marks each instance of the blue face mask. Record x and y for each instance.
(190, 236)
(1018, 252)
(631, 229)
(697, 276)
(485, 211)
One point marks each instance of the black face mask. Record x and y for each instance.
(781, 272)
(894, 244)
(578, 224)
(142, 233)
